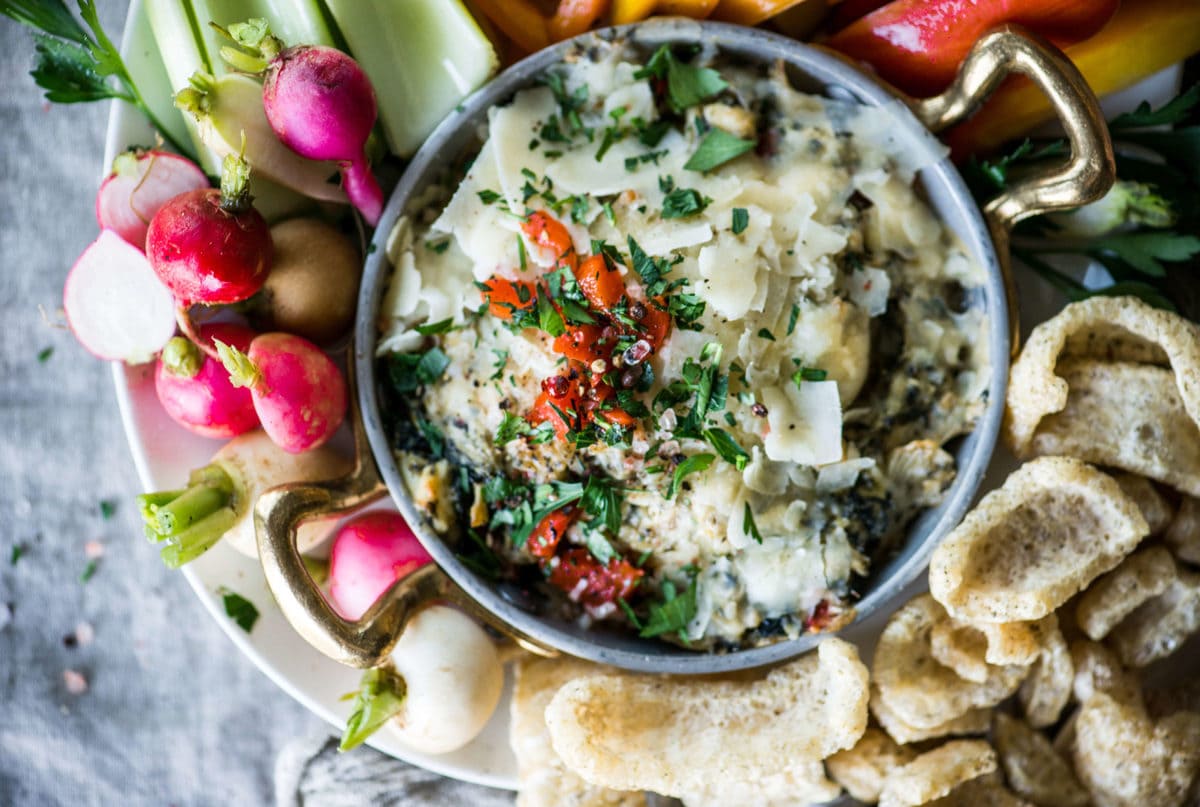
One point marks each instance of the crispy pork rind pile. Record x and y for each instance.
(1113, 381)
(544, 780)
(1053, 526)
(704, 740)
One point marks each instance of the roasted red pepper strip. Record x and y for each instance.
(917, 45)
(549, 234)
(602, 583)
(505, 297)
(584, 343)
(600, 283)
(550, 530)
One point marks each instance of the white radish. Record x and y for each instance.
(227, 108)
(116, 306)
(219, 499)
(443, 690)
(141, 183)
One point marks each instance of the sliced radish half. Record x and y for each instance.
(116, 306)
(141, 183)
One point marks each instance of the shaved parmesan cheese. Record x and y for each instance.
(841, 475)
(729, 269)
(806, 423)
(509, 127)
(869, 288)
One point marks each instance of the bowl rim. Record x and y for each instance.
(839, 79)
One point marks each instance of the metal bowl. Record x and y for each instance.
(1085, 177)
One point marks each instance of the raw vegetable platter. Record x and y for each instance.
(164, 454)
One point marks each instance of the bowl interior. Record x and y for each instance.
(812, 70)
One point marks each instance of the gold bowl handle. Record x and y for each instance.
(368, 641)
(1087, 174)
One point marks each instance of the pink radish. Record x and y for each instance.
(195, 389)
(219, 498)
(211, 246)
(116, 306)
(140, 184)
(320, 104)
(299, 394)
(371, 552)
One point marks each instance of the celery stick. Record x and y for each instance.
(146, 66)
(296, 22)
(423, 57)
(181, 54)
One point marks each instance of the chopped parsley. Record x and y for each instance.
(88, 571)
(549, 320)
(724, 444)
(683, 202)
(748, 525)
(433, 436)
(501, 362)
(108, 508)
(687, 84)
(808, 374)
(510, 428)
(488, 197)
(410, 371)
(431, 328)
(44, 354)
(741, 220)
(691, 465)
(763, 333)
(717, 148)
(15, 555)
(438, 246)
(674, 613)
(792, 319)
(239, 609)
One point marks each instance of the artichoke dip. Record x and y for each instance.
(680, 348)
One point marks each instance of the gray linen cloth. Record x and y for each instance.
(173, 714)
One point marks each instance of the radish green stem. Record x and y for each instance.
(242, 371)
(181, 357)
(191, 520)
(380, 697)
(235, 182)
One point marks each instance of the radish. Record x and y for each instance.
(195, 389)
(141, 183)
(228, 108)
(219, 499)
(116, 306)
(370, 553)
(211, 246)
(319, 102)
(441, 689)
(298, 393)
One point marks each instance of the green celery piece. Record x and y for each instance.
(423, 56)
(146, 66)
(175, 37)
(294, 22)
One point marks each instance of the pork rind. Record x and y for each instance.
(688, 736)
(962, 648)
(1053, 526)
(1126, 760)
(1183, 534)
(983, 791)
(544, 780)
(1123, 415)
(1153, 506)
(803, 785)
(1012, 642)
(1160, 625)
(935, 773)
(914, 686)
(1097, 669)
(861, 769)
(1111, 329)
(1047, 689)
(1114, 596)
(1032, 768)
(975, 721)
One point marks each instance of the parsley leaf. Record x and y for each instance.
(549, 320)
(741, 220)
(673, 614)
(717, 148)
(1143, 251)
(693, 464)
(431, 328)
(44, 354)
(724, 444)
(488, 197)
(409, 371)
(748, 525)
(683, 202)
(687, 84)
(763, 333)
(239, 609)
(510, 428)
(1174, 111)
(792, 319)
(379, 698)
(808, 374)
(602, 500)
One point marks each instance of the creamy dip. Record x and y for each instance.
(681, 347)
